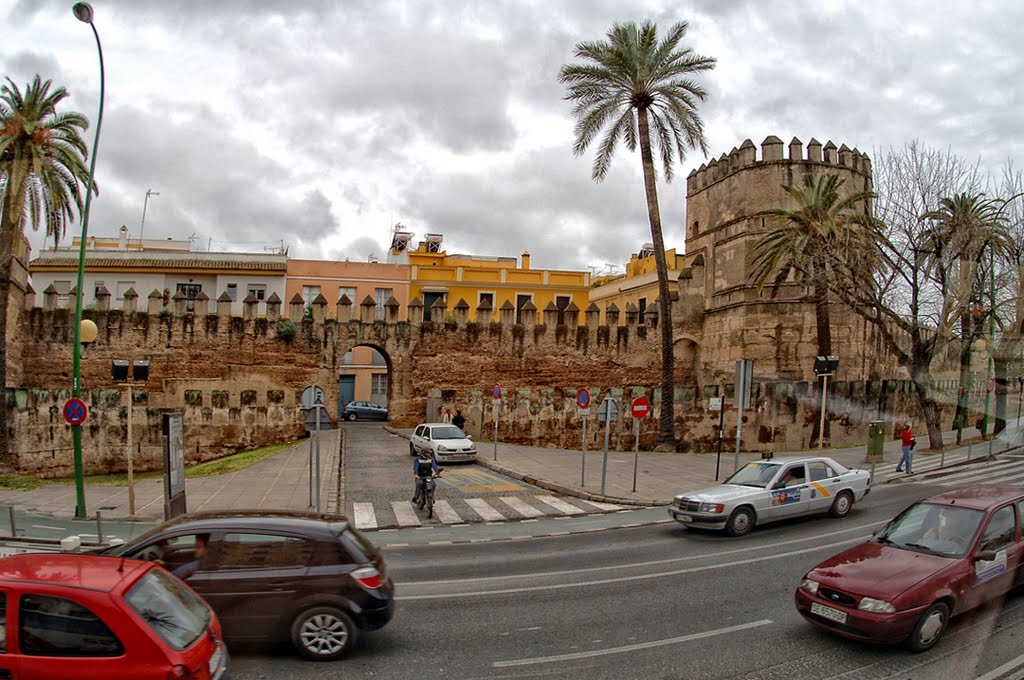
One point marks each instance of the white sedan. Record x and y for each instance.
(770, 490)
(447, 442)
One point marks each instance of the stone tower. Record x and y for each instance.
(721, 309)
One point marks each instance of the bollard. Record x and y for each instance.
(99, 527)
(970, 447)
(990, 446)
(942, 458)
(10, 512)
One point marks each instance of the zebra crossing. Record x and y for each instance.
(453, 511)
(1003, 470)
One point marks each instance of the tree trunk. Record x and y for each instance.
(8, 232)
(967, 341)
(921, 377)
(666, 419)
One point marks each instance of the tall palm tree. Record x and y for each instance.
(964, 229)
(42, 163)
(825, 223)
(634, 86)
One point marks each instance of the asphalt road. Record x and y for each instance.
(648, 602)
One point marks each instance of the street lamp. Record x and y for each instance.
(824, 366)
(83, 12)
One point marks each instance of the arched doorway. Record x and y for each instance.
(364, 375)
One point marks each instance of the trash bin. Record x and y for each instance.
(876, 441)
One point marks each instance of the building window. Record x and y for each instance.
(310, 293)
(379, 387)
(63, 292)
(521, 300)
(233, 291)
(562, 301)
(259, 290)
(378, 358)
(488, 297)
(347, 359)
(96, 290)
(191, 290)
(122, 288)
(642, 306)
(381, 295)
(351, 294)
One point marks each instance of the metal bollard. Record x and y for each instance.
(942, 458)
(99, 527)
(14, 529)
(970, 447)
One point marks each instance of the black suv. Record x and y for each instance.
(308, 577)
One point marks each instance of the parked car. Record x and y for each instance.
(364, 410)
(309, 578)
(449, 443)
(68, 615)
(770, 490)
(938, 558)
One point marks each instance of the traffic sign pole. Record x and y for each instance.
(496, 402)
(583, 401)
(607, 436)
(636, 451)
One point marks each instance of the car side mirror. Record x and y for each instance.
(469, 436)
(985, 556)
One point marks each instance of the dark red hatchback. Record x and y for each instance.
(938, 558)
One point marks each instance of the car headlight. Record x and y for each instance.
(442, 449)
(711, 507)
(870, 604)
(809, 586)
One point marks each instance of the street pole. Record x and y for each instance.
(721, 435)
(990, 372)
(636, 451)
(607, 436)
(583, 454)
(83, 12)
(142, 227)
(497, 407)
(821, 425)
(131, 467)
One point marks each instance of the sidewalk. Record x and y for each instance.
(282, 481)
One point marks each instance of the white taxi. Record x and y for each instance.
(770, 490)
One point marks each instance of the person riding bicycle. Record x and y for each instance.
(423, 467)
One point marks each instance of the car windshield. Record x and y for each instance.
(447, 432)
(170, 608)
(947, 530)
(754, 474)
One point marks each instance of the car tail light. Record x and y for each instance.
(180, 672)
(368, 577)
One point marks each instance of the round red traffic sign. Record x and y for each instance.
(75, 411)
(641, 407)
(496, 392)
(583, 398)
(990, 384)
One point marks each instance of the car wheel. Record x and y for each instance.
(323, 633)
(929, 628)
(412, 449)
(741, 522)
(842, 505)
(351, 416)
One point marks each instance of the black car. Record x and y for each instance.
(306, 577)
(364, 410)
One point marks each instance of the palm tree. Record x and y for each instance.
(824, 224)
(636, 86)
(42, 162)
(963, 229)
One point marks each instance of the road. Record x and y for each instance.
(655, 601)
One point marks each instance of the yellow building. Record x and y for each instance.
(435, 275)
(638, 286)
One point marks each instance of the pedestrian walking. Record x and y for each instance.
(908, 442)
(459, 420)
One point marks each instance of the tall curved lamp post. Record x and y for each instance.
(83, 12)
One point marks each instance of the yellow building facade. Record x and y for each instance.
(638, 286)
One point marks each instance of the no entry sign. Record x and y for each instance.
(641, 407)
(75, 411)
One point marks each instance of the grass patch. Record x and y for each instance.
(232, 463)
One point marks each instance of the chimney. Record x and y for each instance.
(525, 260)
(122, 242)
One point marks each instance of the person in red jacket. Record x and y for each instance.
(907, 440)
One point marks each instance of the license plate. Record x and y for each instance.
(828, 612)
(684, 518)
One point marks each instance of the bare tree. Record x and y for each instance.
(907, 288)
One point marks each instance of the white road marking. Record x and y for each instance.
(1005, 668)
(630, 648)
(483, 509)
(604, 506)
(521, 506)
(405, 514)
(43, 526)
(444, 511)
(560, 505)
(365, 517)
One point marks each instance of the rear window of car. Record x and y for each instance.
(362, 545)
(170, 608)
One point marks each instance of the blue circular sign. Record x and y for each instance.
(583, 398)
(75, 411)
(496, 393)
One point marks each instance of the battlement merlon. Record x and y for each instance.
(773, 150)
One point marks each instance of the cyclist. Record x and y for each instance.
(423, 466)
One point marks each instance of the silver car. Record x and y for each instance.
(770, 490)
(449, 443)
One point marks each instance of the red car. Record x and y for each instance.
(95, 618)
(941, 556)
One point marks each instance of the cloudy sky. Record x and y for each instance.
(320, 124)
